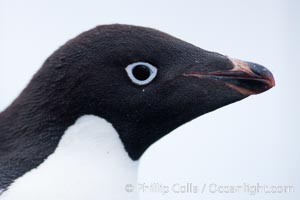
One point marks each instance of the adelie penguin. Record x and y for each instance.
(79, 128)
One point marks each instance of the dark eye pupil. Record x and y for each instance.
(141, 72)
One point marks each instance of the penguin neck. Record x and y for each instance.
(33, 131)
(89, 161)
(41, 114)
(28, 135)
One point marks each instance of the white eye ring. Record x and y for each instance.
(149, 73)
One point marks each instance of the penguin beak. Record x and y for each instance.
(245, 77)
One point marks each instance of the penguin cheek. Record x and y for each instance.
(185, 98)
(202, 94)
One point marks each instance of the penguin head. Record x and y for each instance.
(145, 82)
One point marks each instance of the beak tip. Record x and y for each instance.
(272, 81)
(263, 73)
(259, 77)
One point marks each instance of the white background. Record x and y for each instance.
(252, 141)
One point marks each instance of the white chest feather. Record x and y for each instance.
(90, 162)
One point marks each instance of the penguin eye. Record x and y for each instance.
(141, 73)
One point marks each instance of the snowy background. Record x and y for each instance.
(255, 141)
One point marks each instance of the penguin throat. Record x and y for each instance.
(90, 162)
